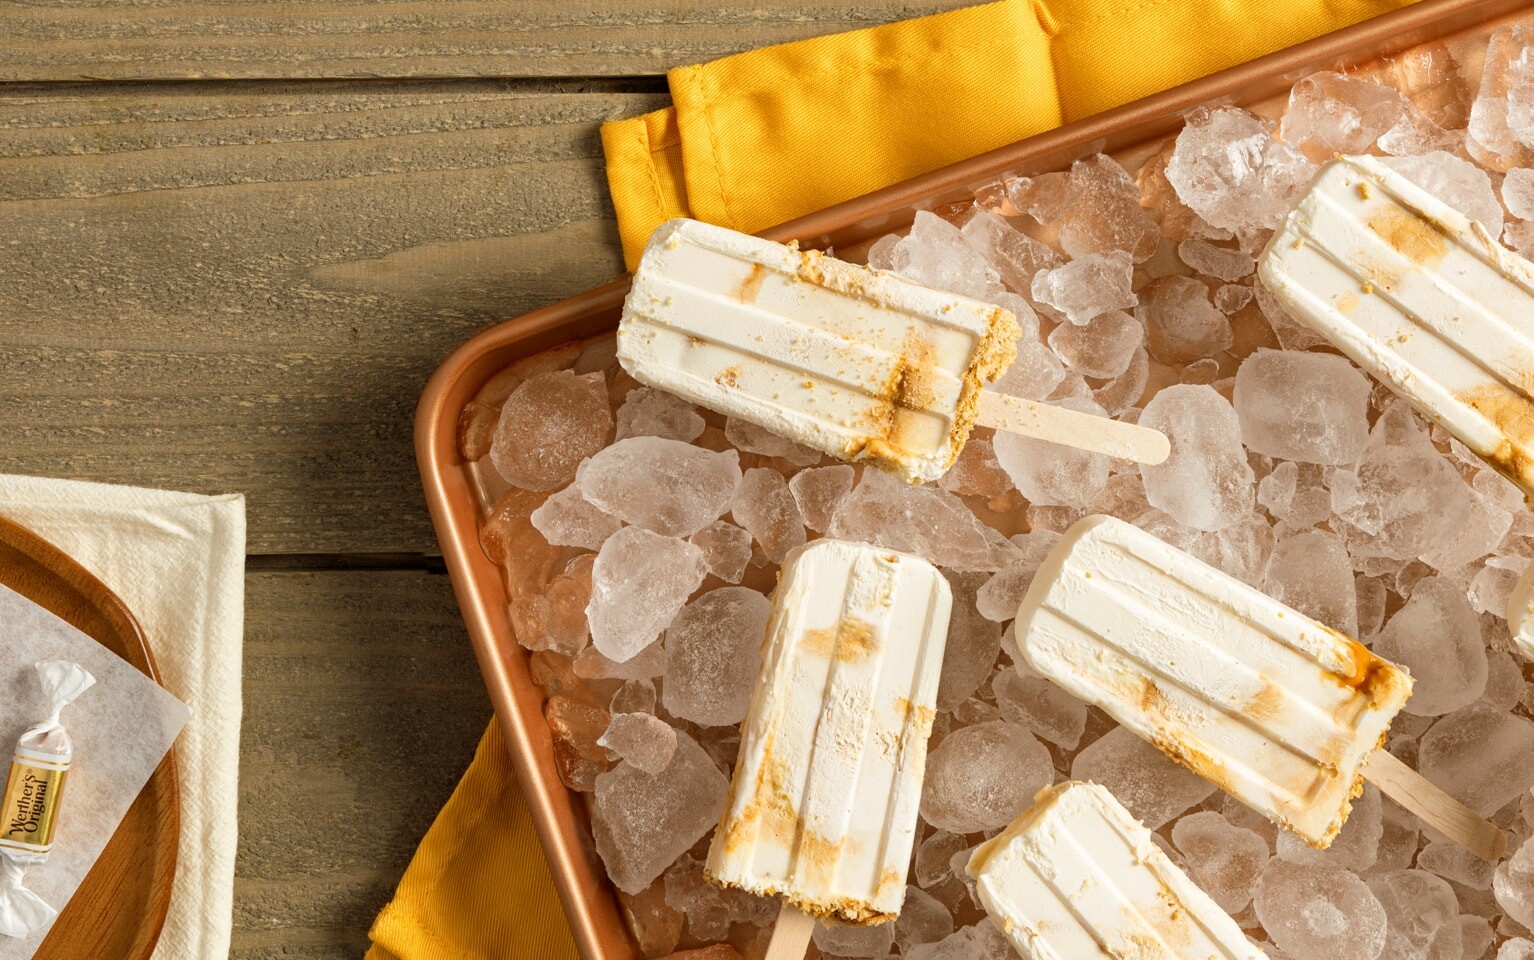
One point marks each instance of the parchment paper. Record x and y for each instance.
(121, 729)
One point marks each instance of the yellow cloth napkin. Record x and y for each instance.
(762, 137)
(765, 136)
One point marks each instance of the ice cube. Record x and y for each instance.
(983, 941)
(1154, 788)
(1319, 911)
(1219, 262)
(1276, 491)
(1453, 862)
(643, 740)
(1517, 948)
(1356, 847)
(550, 423)
(1493, 585)
(556, 619)
(1308, 407)
(667, 486)
(973, 642)
(1015, 255)
(569, 519)
(635, 696)
(1330, 113)
(1101, 348)
(936, 254)
(648, 412)
(764, 506)
(923, 919)
(999, 597)
(1048, 473)
(1051, 713)
(976, 472)
(1125, 391)
(726, 549)
(1223, 859)
(575, 727)
(934, 856)
(1513, 884)
(1229, 168)
(818, 491)
(1504, 680)
(1484, 757)
(845, 940)
(1457, 182)
(1311, 572)
(751, 438)
(647, 664)
(1045, 197)
(1230, 298)
(1087, 286)
(1034, 374)
(1104, 212)
(1402, 498)
(1371, 595)
(1518, 192)
(1181, 325)
(1206, 482)
(644, 821)
(655, 924)
(925, 520)
(1476, 936)
(640, 581)
(981, 777)
(1422, 913)
(1438, 638)
(1501, 133)
(713, 655)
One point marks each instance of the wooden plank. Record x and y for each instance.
(363, 707)
(160, 39)
(234, 286)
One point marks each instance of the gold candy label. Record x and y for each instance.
(31, 804)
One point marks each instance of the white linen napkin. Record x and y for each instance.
(178, 561)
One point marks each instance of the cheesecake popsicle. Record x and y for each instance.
(856, 363)
(1421, 297)
(1077, 877)
(1283, 713)
(822, 807)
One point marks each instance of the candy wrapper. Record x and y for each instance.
(34, 792)
(119, 729)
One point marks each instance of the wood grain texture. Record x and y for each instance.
(218, 287)
(363, 707)
(161, 39)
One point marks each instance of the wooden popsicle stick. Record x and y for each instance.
(1042, 421)
(1437, 809)
(790, 935)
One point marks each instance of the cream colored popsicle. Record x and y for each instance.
(856, 363)
(1283, 713)
(1077, 877)
(822, 808)
(1421, 297)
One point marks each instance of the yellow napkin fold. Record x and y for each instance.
(762, 137)
(765, 136)
(478, 887)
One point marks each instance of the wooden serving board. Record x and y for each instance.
(119, 910)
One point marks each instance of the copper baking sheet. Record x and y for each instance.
(1127, 132)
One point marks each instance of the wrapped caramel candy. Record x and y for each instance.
(29, 807)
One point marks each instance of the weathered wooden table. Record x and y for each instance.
(235, 239)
